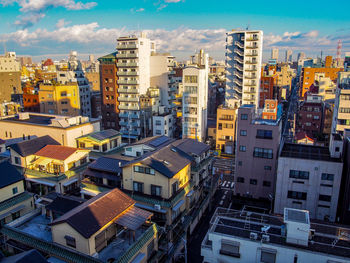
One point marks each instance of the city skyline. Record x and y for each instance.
(53, 28)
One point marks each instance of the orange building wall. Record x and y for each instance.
(30, 100)
(328, 62)
(308, 77)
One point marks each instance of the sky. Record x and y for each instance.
(52, 28)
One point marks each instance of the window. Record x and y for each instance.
(138, 187)
(267, 256)
(64, 102)
(14, 190)
(17, 160)
(329, 177)
(263, 153)
(344, 110)
(175, 187)
(83, 160)
(242, 148)
(64, 94)
(239, 163)
(253, 181)
(230, 248)
(220, 126)
(16, 215)
(70, 241)
(325, 198)
(267, 183)
(243, 132)
(240, 179)
(299, 174)
(267, 167)
(297, 195)
(264, 134)
(191, 79)
(158, 122)
(244, 116)
(156, 190)
(158, 132)
(96, 147)
(141, 169)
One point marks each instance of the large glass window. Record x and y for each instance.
(328, 177)
(264, 134)
(138, 187)
(297, 195)
(299, 174)
(191, 79)
(263, 153)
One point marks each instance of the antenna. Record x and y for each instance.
(339, 51)
(248, 25)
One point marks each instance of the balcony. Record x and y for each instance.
(128, 82)
(238, 67)
(171, 81)
(251, 69)
(251, 47)
(239, 52)
(253, 38)
(251, 62)
(126, 132)
(127, 73)
(238, 59)
(238, 82)
(128, 64)
(129, 107)
(122, 90)
(239, 44)
(127, 46)
(251, 54)
(127, 99)
(249, 77)
(249, 90)
(250, 84)
(127, 115)
(128, 55)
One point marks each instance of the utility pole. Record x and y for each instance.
(129, 124)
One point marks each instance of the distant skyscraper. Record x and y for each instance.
(274, 54)
(243, 67)
(301, 55)
(289, 54)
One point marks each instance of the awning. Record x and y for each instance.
(14, 210)
(151, 208)
(87, 192)
(71, 182)
(42, 161)
(38, 181)
(178, 205)
(190, 193)
(133, 218)
(138, 258)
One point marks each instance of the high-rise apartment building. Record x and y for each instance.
(195, 98)
(341, 113)
(133, 63)
(289, 56)
(274, 54)
(243, 67)
(109, 91)
(10, 76)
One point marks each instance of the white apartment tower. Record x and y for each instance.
(289, 55)
(195, 98)
(274, 54)
(341, 112)
(133, 63)
(243, 67)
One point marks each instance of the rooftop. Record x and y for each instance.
(309, 152)
(40, 119)
(57, 152)
(102, 135)
(26, 148)
(9, 174)
(107, 164)
(232, 223)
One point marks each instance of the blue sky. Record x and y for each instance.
(54, 27)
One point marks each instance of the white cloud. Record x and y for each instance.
(61, 23)
(140, 10)
(34, 10)
(172, 1)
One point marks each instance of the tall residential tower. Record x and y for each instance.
(243, 67)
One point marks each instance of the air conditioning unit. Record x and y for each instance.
(265, 238)
(157, 207)
(253, 236)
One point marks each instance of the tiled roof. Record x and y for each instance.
(26, 148)
(9, 174)
(57, 152)
(2, 141)
(63, 204)
(102, 135)
(25, 257)
(191, 146)
(107, 164)
(95, 213)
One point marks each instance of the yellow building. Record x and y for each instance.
(55, 168)
(102, 141)
(63, 99)
(14, 200)
(225, 130)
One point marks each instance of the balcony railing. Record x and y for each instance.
(132, 82)
(128, 64)
(129, 107)
(128, 55)
(239, 44)
(122, 90)
(128, 99)
(127, 73)
(239, 52)
(127, 46)
(252, 47)
(238, 59)
(251, 62)
(238, 67)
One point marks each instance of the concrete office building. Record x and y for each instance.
(133, 63)
(195, 98)
(274, 54)
(243, 67)
(257, 148)
(308, 177)
(243, 236)
(10, 76)
(341, 113)
(226, 130)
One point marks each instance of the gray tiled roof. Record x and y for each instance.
(191, 146)
(9, 174)
(30, 147)
(108, 164)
